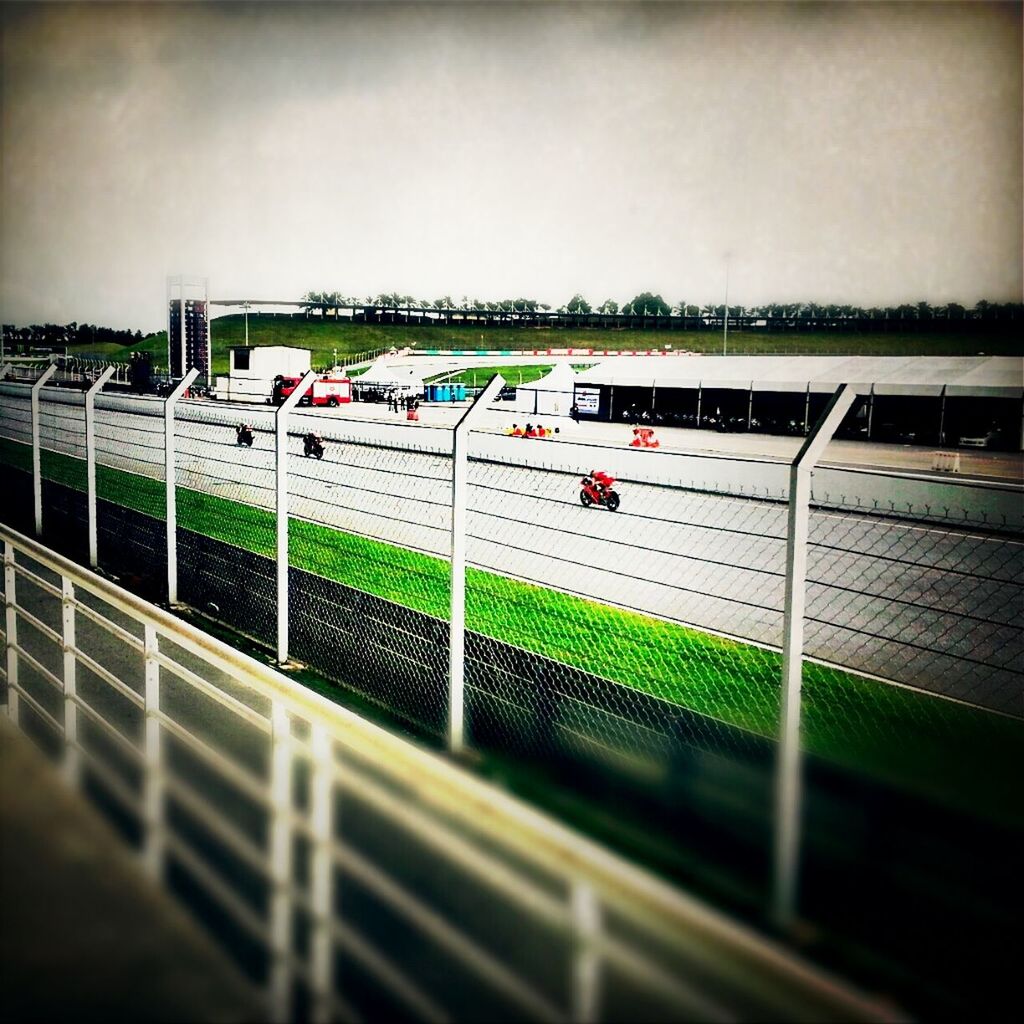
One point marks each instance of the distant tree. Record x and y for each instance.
(646, 304)
(609, 306)
(578, 304)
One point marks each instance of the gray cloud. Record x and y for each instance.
(843, 152)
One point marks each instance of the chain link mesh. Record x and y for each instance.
(370, 530)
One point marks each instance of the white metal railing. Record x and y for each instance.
(354, 825)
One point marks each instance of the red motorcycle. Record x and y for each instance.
(597, 490)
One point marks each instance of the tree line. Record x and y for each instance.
(74, 333)
(647, 304)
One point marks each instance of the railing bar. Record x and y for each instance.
(490, 871)
(703, 1008)
(112, 729)
(216, 886)
(108, 677)
(111, 780)
(226, 832)
(47, 631)
(429, 922)
(240, 776)
(215, 693)
(386, 972)
(122, 634)
(37, 707)
(48, 676)
(37, 580)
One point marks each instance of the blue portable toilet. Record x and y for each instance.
(446, 393)
(460, 392)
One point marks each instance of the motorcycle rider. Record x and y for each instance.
(313, 445)
(602, 482)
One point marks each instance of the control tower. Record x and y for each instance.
(188, 325)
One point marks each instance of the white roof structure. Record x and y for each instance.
(383, 375)
(979, 376)
(551, 394)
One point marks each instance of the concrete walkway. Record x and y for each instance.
(84, 935)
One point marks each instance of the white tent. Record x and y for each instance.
(382, 376)
(552, 395)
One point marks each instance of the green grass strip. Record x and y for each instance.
(898, 733)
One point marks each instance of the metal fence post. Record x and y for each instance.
(280, 862)
(90, 459)
(171, 485)
(281, 507)
(153, 795)
(37, 475)
(457, 633)
(322, 873)
(788, 793)
(72, 764)
(11, 630)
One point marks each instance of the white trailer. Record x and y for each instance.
(252, 372)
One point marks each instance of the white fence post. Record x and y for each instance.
(90, 459)
(788, 793)
(11, 629)
(37, 475)
(281, 505)
(322, 872)
(457, 634)
(280, 862)
(72, 764)
(171, 485)
(153, 796)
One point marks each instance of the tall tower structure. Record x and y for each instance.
(188, 325)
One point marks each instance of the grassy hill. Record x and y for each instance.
(325, 338)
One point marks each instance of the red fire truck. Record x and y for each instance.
(329, 391)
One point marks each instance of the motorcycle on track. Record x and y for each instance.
(244, 435)
(313, 444)
(596, 489)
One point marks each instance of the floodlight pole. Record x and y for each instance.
(171, 485)
(788, 791)
(281, 478)
(725, 326)
(90, 459)
(457, 634)
(37, 477)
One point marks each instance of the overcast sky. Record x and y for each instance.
(858, 153)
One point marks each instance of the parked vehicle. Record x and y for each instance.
(244, 435)
(313, 444)
(326, 391)
(597, 490)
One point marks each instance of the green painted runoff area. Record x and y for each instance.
(889, 731)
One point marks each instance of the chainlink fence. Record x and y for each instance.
(631, 658)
